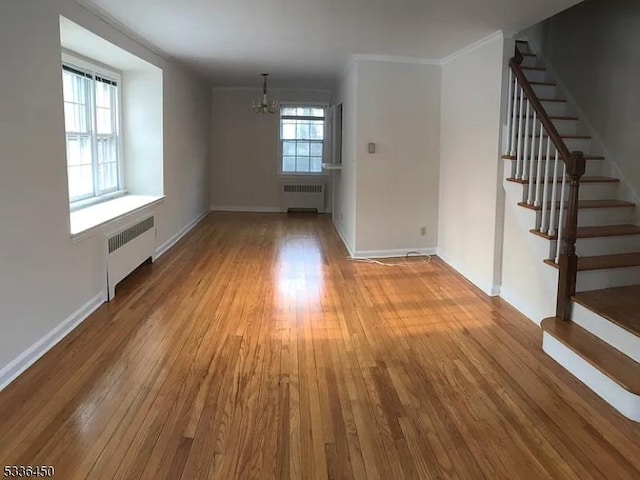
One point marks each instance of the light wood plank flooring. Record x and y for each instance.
(255, 350)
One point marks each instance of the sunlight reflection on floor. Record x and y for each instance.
(299, 276)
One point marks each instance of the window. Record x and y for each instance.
(91, 113)
(301, 138)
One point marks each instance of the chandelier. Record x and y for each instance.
(263, 105)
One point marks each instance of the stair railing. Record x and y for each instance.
(538, 164)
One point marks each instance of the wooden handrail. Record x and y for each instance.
(575, 168)
(571, 159)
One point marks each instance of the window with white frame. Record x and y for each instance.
(301, 138)
(92, 128)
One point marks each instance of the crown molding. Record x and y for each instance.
(473, 46)
(393, 59)
(113, 22)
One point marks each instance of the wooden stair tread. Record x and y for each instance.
(537, 69)
(548, 84)
(620, 305)
(587, 157)
(585, 179)
(613, 363)
(597, 231)
(604, 262)
(561, 100)
(588, 204)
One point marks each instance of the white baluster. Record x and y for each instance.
(554, 196)
(532, 161)
(545, 194)
(512, 146)
(539, 173)
(520, 139)
(562, 211)
(509, 108)
(525, 154)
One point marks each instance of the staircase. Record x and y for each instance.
(550, 156)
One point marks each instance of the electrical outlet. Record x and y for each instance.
(423, 231)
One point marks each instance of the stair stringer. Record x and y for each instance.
(527, 283)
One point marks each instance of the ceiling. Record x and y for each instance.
(307, 43)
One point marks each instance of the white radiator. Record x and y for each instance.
(127, 250)
(302, 196)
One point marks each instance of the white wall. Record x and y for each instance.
(470, 171)
(44, 277)
(244, 147)
(142, 131)
(398, 109)
(344, 181)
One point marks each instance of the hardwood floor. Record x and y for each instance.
(255, 350)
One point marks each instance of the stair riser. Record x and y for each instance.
(545, 91)
(591, 217)
(594, 167)
(617, 337)
(611, 392)
(556, 108)
(584, 146)
(573, 144)
(536, 75)
(588, 191)
(591, 247)
(531, 62)
(610, 278)
(566, 127)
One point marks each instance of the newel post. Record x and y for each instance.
(568, 261)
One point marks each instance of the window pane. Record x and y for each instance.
(288, 148)
(103, 94)
(287, 111)
(107, 176)
(80, 181)
(302, 164)
(316, 164)
(106, 147)
(289, 164)
(316, 130)
(76, 94)
(317, 112)
(289, 129)
(104, 121)
(302, 130)
(316, 149)
(303, 149)
(78, 150)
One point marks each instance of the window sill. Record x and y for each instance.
(88, 221)
(301, 174)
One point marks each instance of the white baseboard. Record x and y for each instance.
(396, 253)
(614, 394)
(183, 231)
(27, 358)
(233, 208)
(343, 237)
(488, 288)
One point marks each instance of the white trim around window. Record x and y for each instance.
(92, 96)
(305, 141)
